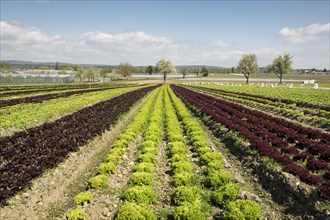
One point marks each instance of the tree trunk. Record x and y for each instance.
(164, 78)
(247, 75)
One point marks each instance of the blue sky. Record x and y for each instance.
(186, 32)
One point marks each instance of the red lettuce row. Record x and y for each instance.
(25, 155)
(269, 141)
(41, 98)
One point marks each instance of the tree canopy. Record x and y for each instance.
(248, 65)
(80, 72)
(281, 65)
(104, 73)
(184, 72)
(205, 71)
(197, 70)
(149, 69)
(165, 67)
(125, 69)
(4, 65)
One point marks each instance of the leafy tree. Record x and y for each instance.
(4, 65)
(324, 70)
(184, 72)
(165, 67)
(205, 71)
(91, 73)
(149, 69)
(125, 69)
(104, 73)
(248, 65)
(281, 65)
(80, 73)
(197, 70)
(233, 70)
(57, 66)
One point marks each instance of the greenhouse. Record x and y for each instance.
(26, 78)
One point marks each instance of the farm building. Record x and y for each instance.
(32, 78)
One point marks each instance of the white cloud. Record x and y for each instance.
(14, 32)
(218, 43)
(312, 32)
(21, 42)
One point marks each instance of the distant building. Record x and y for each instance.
(34, 78)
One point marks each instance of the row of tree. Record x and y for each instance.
(90, 73)
(281, 65)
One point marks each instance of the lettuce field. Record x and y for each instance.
(171, 151)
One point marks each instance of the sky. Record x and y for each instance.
(214, 33)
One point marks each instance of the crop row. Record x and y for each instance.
(217, 179)
(321, 117)
(270, 136)
(41, 98)
(140, 192)
(284, 95)
(25, 155)
(9, 91)
(26, 115)
(187, 196)
(114, 157)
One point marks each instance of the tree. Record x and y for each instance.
(125, 69)
(4, 65)
(281, 65)
(205, 71)
(197, 70)
(57, 66)
(105, 73)
(91, 73)
(324, 70)
(233, 70)
(80, 72)
(248, 65)
(184, 72)
(149, 69)
(165, 67)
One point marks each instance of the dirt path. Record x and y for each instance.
(50, 195)
(106, 202)
(163, 207)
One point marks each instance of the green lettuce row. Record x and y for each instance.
(21, 116)
(141, 193)
(186, 196)
(112, 158)
(225, 193)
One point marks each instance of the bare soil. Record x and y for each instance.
(107, 201)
